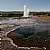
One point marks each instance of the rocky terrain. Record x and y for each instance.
(22, 35)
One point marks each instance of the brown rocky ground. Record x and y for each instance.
(43, 18)
(6, 44)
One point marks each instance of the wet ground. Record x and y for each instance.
(30, 33)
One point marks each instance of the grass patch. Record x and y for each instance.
(2, 18)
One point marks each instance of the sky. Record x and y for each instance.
(33, 5)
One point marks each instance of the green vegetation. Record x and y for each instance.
(20, 13)
(39, 13)
(1, 18)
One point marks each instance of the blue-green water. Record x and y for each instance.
(32, 36)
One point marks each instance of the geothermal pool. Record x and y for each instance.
(36, 35)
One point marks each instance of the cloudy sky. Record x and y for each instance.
(33, 5)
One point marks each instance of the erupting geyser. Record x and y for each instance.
(26, 11)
